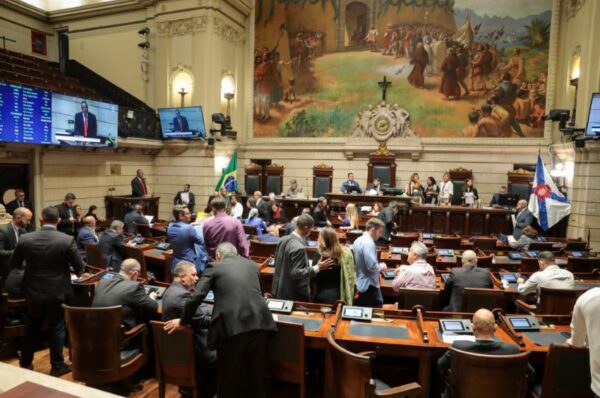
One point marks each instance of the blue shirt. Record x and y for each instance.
(349, 183)
(260, 225)
(201, 253)
(367, 266)
(183, 238)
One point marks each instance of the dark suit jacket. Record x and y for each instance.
(264, 211)
(239, 304)
(8, 242)
(190, 205)
(65, 226)
(173, 302)
(523, 219)
(13, 205)
(387, 216)
(131, 295)
(184, 124)
(183, 237)
(134, 217)
(137, 189)
(92, 125)
(291, 280)
(49, 255)
(110, 246)
(319, 216)
(461, 278)
(85, 235)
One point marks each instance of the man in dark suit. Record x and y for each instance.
(291, 280)
(495, 202)
(85, 122)
(67, 213)
(240, 325)
(135, 215)
(264, 207)
(484, 327)
(49, 255)
(180, 123)
(139, 189)
(467, 276)
(19, 201)
(183, 237)
(185, 278)
(9, 236)
(123, 289)
(87, 233)
(388, 216)
(110, 245)
(185, 197)
(319, 213)
(523, 218)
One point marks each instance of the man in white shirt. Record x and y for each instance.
(550, 275)
(185, 198)
(446, 190)
(585, 325)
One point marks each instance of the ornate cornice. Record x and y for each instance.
(227, 32)
(572, 7)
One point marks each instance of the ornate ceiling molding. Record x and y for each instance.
(227, 32)
(572, 7)
(182, 27)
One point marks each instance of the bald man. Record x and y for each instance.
(484, 328)
(466, 276)
(523, 218)
(87, 233)
(9, 236)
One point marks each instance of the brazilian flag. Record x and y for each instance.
(229, 177)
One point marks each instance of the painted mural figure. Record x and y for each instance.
(371, 38)
(420, 60)
(449, 86)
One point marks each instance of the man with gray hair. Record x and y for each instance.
(550, 275)
(467, 276)
(110, 245)
(185, 277)
(241, 322)
(124, 289)
(291, 280)
(418, 274)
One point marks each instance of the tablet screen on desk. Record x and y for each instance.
(276, 304)
(510, 278)
(519, 323)
(427, 236)
(577, 254)
(108, 275)
(532, 253)
(453, 326)
(353, 312)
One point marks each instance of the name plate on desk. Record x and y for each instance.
(357, 313)
(284, 306)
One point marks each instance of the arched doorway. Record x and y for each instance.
(357, 24)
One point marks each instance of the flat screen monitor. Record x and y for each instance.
(84, 122)
(508, 200)
(520, 323)
(182, 123)
(454, 326)
(593, 124)
(25, 114)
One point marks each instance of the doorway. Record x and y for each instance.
(357, 24)
(12, 177)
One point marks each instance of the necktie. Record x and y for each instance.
(85, 126)
(144, 186)
(21, 204)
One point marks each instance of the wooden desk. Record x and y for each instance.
(312, 311)
(118, 206)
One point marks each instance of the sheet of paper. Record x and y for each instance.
(511, 239)
(450, 338)
(514, 220)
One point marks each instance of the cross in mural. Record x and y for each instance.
(384, 84)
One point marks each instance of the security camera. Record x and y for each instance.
(144, 45)
(144, 32)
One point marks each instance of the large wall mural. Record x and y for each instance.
(461, 68)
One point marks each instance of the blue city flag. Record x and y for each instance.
(546, 202)
(229, 177)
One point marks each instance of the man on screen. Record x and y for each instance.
(180, 123)
(85, 122)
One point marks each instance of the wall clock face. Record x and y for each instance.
(382, 124)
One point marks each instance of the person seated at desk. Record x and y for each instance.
(319, 213)
(550, 275)
(469, 193)
(272, 235)
(110, 245)
(523, 218)
(375, 186)
(350, 185)
(294, 190)
(351, 220)
(291, 280)
(377, 208)
(87, 234)
(414, 187)
(123, 289)
(431, 191)
(529, 235)
(278, 215)
(484, 329)
(255, 220)
(469, 275)
(446, 190)
(495, 202)
(185, 278)
(291, 226)
(337, 282)
(183, 236)
(418, 274)
(135, 215)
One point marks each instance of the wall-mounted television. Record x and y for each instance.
(593, 124)
(182, 123)
(32, 115)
